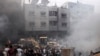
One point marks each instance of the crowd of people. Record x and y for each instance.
(19, 51)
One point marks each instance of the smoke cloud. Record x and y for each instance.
(86, 35)
(14, 13)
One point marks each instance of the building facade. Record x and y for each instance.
(41, 19)
(77, 12)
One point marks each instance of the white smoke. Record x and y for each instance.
(86, 35)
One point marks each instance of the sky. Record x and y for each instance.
(95, 3)
(59, 2)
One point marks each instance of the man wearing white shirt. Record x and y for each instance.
(6, 49)
(19, 51)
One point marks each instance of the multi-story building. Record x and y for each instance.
(41, 19)
(53, 18)
(36, 18)
(77, 12)
(63, 16)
